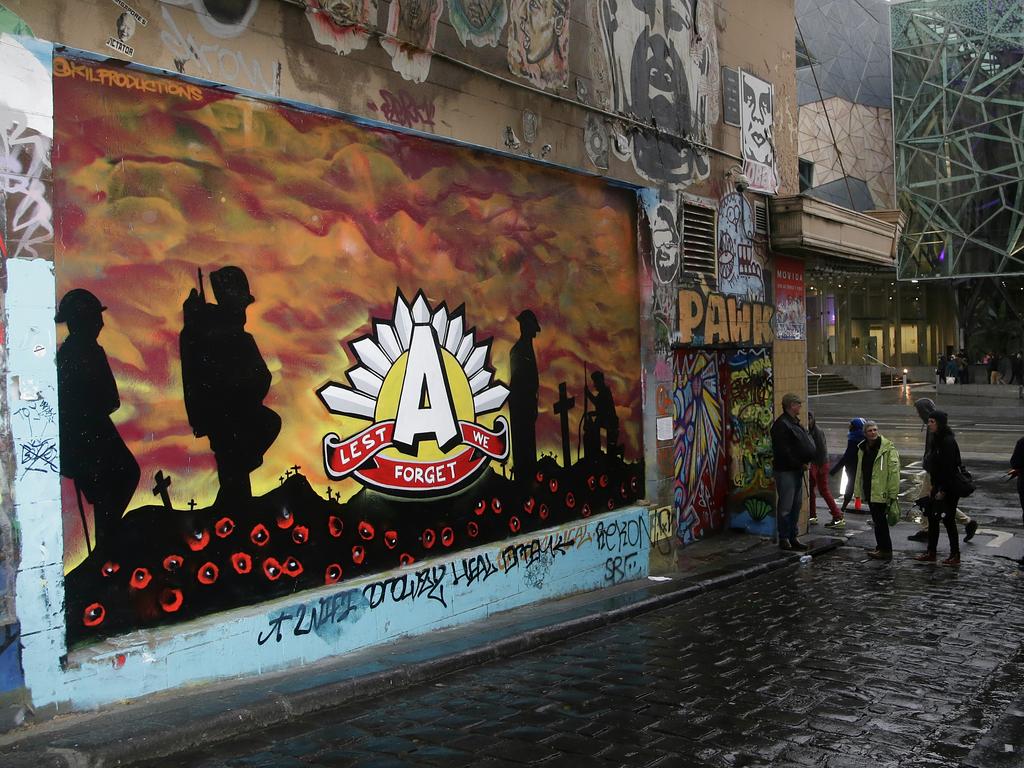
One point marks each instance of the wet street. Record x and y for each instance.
(841, 662)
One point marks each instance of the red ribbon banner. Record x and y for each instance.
(358, 456)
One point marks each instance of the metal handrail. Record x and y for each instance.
(817, 382)
(892, 368)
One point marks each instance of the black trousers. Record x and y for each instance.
(880, 520)
(944, 510)
(1020, 493)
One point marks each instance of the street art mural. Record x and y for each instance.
(740, 257)
(751, 500)
(222, 18)
(701, 472)
(538, 42)
(342, 24)
(662, 67)
(479, 22)
(303, 350)
(412, 29)
(757, 106)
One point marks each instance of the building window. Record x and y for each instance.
(803, 58)
(806, 175)
(699, 253)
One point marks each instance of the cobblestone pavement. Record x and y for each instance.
(843, 662)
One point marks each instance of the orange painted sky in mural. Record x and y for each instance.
(327, 218)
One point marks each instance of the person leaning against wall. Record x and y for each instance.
(793, 450)
(878, 483)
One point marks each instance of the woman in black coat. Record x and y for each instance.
(942, 461)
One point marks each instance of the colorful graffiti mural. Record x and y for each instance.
(751, 502)
(701, 383)
(740, 258)
(276, 318)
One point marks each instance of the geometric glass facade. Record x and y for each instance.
(958, 114)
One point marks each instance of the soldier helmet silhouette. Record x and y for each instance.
(528, 321)
(230, 286)
(78, 304)
(598, 378)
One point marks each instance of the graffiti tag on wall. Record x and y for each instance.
(713, 318)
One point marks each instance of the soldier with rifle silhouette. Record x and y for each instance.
(602, 416)
(225, 380)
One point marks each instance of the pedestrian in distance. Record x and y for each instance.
(943, 463)
(992, 365)
(877, 484)
(1017, 471)
(1017, 369)
(848, 461)
(792, 451)
(819, 477)
(953, 371)
(926, 407)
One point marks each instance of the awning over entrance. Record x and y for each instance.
(805, 226)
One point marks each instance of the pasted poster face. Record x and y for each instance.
(479, 22)
(663, 68)
(740, 265)
(412, 28)
(538, 41)
(757, 102)
(791, 313)
(342, 24)
(294, 350)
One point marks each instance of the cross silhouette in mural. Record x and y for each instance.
(562, 408)
(191, 505)
(163, 482)
(328, 493)
(296, 468)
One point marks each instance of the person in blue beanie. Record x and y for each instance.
(849, 459)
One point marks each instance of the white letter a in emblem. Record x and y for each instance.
(425, 408)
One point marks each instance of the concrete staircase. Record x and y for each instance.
(827, 383)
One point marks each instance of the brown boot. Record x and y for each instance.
(926, 557)
(952, 560)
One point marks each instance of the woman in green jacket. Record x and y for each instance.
(878, 483)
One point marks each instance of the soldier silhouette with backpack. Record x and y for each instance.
(225, 380)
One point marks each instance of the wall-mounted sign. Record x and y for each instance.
(791, 320)
(730, 96)
(714, 318)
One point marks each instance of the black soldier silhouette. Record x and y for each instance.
(92, 452)
(602, 416)
(522, 400)
(225, 380)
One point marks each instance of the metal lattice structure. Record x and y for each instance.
(958, 112)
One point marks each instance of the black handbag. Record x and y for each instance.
(962, 484)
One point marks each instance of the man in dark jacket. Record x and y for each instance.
(792, 451)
